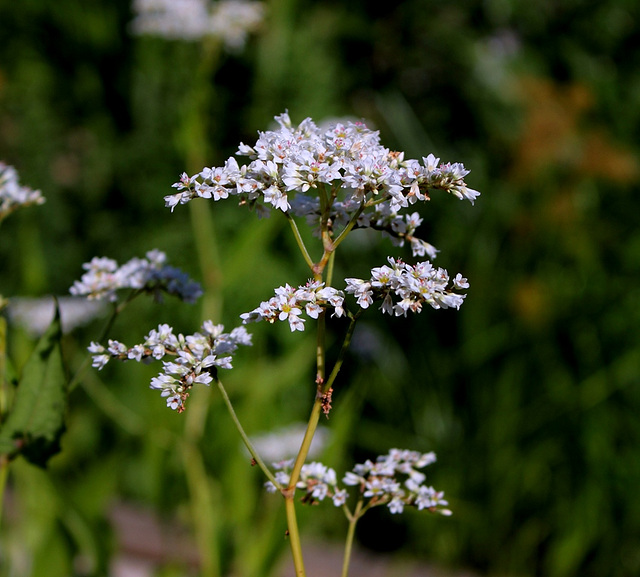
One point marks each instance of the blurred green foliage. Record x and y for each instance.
(530, 394)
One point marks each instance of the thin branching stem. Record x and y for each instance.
(300, 242)
(245, 438)
(348, 546)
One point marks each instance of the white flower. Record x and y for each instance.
(288, 166)
(104, 278)
(230, 21)
(195, 357)
(403, 287)
(12, 195)
(289, 304)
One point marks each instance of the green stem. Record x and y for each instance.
(301, 245)
(343, 351)
(245, 438)
(347, 229)
(294, 536)
(117, 309)
(348, 546)
(200, 488)
(4, 473)
(3, 360)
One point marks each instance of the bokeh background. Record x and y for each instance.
(530, 394)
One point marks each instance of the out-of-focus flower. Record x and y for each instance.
(285, 442)
(104, 278)
(231, 21)
(12, 195)
(36, 314)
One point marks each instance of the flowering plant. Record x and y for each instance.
(336, 180)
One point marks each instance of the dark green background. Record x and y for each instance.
(529, 394)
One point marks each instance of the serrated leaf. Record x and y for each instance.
(36, 421)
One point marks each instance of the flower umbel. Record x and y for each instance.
(338, 176)
(104, 278)
(403, 287)
(289, 303)
(196, 357)
(393, 480)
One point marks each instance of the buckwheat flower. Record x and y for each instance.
(104, 278)
(392, 480)
(292, 167)
(286, 441)
(289, 303)
(195, 358)
(339, 497)
(403, 288)
(230, 21)
(12, 194)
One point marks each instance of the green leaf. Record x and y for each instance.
(36, 421)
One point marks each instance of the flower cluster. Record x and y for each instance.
(337, 175)
(228, 20)
(288, 304)
(317, 480)
(197, 357)
(403, 287)
(393, 480)
(104, 277)
(12, 195)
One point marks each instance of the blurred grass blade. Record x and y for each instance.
(36, 420)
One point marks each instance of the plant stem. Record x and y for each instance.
(201, 496)
(301, 245)
(343, 351)
(117, 309)
(4, 401)
(245, 438)
(4, 473)
(347, 229)
(348, 546)
(294, 536)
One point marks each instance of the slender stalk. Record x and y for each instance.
(200, 488)
(245, 438)
(294, 536)
(301, 245)
(343, 351)
(347, 229)
(4, 473)
(117, 309)
(330, 268)
(348, 546)
(4, 401)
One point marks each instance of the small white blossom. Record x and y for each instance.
(12, 194)
(289, 303)
(104, 278)
(368, 182)
(196, 357)
(393, 480)
(403, 287)
(230, 21)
